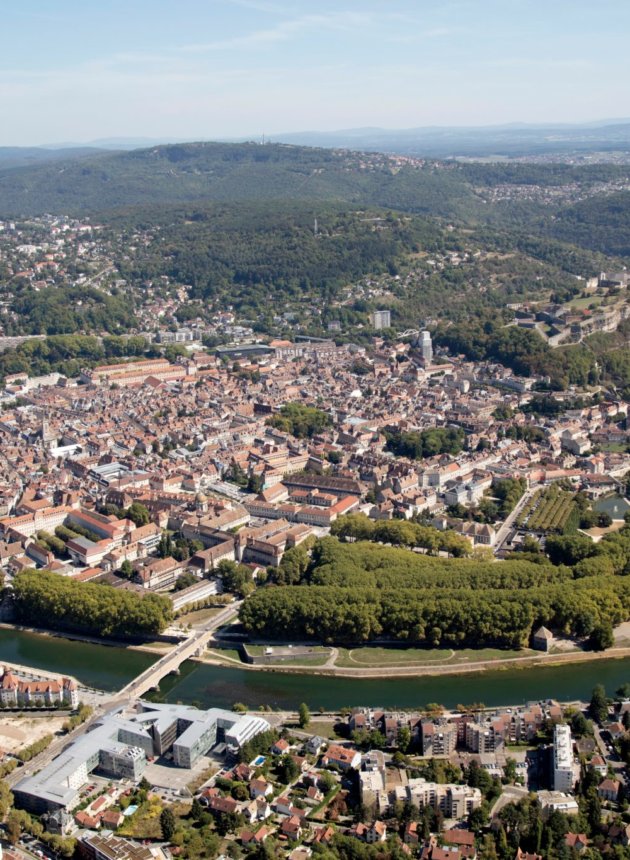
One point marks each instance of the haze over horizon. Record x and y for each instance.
(81, 72)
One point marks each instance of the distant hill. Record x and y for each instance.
(25, 156)
(515, 139)
(223, 172)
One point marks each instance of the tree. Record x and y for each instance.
(237, 578)
(167, 823)
(196, 810)
(403, 739)
(287, 770)
(6, 799)
(580, 726)
(509, 770)
(598, 707)
(185, 580)
(17, 822)
(138, 513)
(602, 637)
(304, 715)
(126, 569)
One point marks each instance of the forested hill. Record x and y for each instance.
(196, 172)
(584, 205)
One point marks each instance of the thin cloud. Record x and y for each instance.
(283, 31)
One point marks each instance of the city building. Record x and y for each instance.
(426, 347)
(564, 768)
(16, 692)
(381, 319)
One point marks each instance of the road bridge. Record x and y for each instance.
(191, 647)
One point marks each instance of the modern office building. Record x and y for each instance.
(119, 745)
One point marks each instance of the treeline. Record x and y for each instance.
(417, 444)
(610, 556)
(524, 351)
(69, 354)
(300, 420)
(600, 223)
(434, 617)
(400, 533)
(61, 603)
(358, 592)
(29, 752)
(66, 310)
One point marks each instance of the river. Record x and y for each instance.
(206, 685)
(101, 666)
(109, 668)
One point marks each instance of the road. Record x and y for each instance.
(506, 528)
(510, 794)
(144, 682)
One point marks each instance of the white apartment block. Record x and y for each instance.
(564, 769)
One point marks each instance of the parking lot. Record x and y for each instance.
(171, 781)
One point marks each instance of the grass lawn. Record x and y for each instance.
(614, 447)
(228, 654)
(383, 657)
(198, 616)
(391, 656)
(583, 303)
(476, 655)
(324, 728)
(315, 660)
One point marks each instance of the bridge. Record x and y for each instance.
(193, 646)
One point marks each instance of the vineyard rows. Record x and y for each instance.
(547, 511)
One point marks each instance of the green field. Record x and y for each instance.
(383, 657)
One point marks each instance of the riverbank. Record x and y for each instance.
(98, 664)
(418, 671)
(218, 685)
(154, 647)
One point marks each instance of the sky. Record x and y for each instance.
(80, 70)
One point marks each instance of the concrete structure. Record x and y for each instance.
(542, 639)
(439, 738)
(453, 801)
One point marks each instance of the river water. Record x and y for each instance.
(100, 666)
(109, 668)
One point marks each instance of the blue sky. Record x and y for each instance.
(76, 70)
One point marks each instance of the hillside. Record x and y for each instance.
(581, 205)
(12, 157)
(214, 172)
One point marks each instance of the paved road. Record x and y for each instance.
(171, 661)
(506, 528)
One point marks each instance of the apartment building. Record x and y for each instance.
(564, 767)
